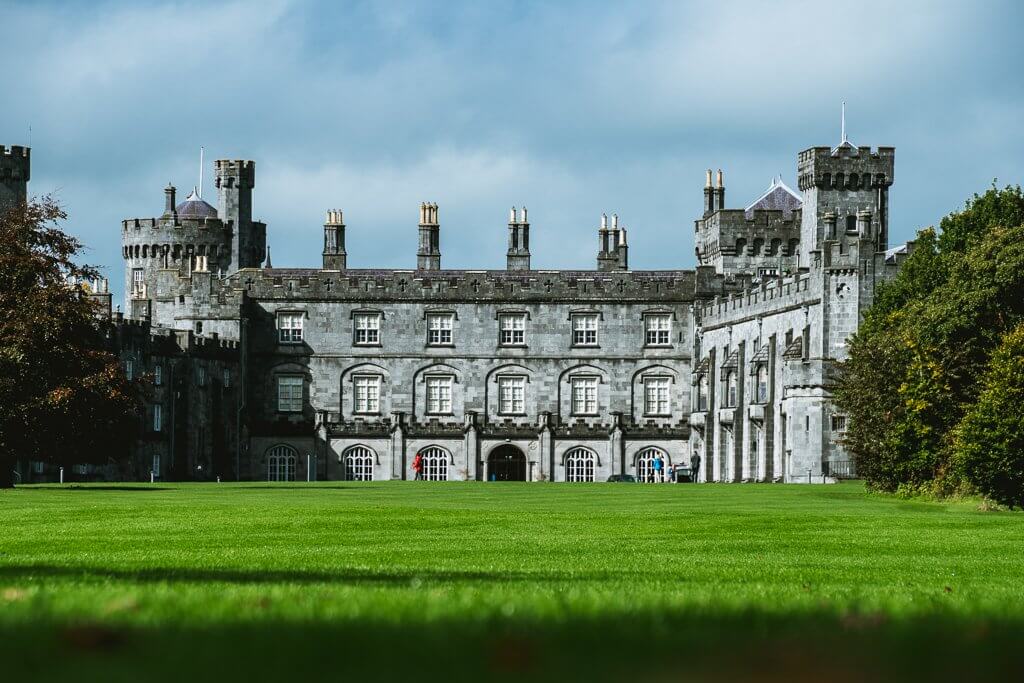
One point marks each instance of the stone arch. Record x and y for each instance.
(357, 462)
(281, 460)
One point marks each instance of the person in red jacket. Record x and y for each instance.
(417, 466)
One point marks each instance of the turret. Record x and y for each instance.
(170, 194)
(335, 256)
(235, 181)
(428, 256)
(518, 257)
(845, 180)
(15, 171)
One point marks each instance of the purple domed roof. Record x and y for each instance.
(195, 207)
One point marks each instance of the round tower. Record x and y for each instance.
(188, 238)
(15, 170)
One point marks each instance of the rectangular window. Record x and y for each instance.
(657, 329)
(227, 378)
(584, 329)
(367, 328)
(838, 423)
(367, 390)
(439, 329)
(584, 395)
(289, 328)
(656, 396)
(156, 464)
(201, 376)
(157, 418)
(289, 394)
(129, 370)
(439, 395)
(158, 375)
(512, 395)
(138, 283)
(513, 329)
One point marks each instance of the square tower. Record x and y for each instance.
(844, 181)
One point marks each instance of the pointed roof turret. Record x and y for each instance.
(195, 207)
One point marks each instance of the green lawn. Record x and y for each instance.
(479, 581)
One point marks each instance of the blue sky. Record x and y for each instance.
(572, 108)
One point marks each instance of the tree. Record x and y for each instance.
(915, 365)
(63, 398)
(988, 445)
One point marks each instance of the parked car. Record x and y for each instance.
(623, 478)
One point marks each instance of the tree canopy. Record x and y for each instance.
(923, 356)
(63, 397)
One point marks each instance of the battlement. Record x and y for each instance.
(15, 163)
(171, 223)
(465, 285)
(763, 299)
(846, 167)
(235, 172)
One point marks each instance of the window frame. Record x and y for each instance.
(290, 327)
(703, 392)
(286, 380)
(732, 393)
(375, 328)
(512, 316)
(761, 397)
(158, 417)
(502, 380)
(575, 318)
(439, 316)
(580, 465)
(649, 380)
(439, 381)
(158, 375)
(373, 404)
(581, 379)
(650, 330)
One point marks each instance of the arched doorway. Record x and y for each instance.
(506, 463)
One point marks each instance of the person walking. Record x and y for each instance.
(657, 466)
(694, 467)
(417, 466)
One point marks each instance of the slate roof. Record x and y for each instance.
(758, 358)
(778, 197)
(194, 207)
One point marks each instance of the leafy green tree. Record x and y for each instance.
(988, 445)
(914, 365)
(63, 398)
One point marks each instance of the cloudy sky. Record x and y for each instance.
(572, 108)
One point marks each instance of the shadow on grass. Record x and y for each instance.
(638, 646)
(306, 487)
(341, 576)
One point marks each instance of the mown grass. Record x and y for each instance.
(471, 581)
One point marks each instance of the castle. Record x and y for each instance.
(518, 374)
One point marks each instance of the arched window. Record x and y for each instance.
(579, 465)
(645, 463)
(762, 383)
(435, 463)
(702, 393)
(358, 464)
(730, 389)
(281, 464)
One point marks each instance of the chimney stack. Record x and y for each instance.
(335, 256)
(518, 256)
(428, 256)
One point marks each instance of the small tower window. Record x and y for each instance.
(851, 224)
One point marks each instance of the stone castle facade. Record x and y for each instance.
(519, 374)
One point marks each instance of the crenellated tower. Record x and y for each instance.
(235, 180)
(15, 171)
(846, 181)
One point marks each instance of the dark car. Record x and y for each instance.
(623, 478)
